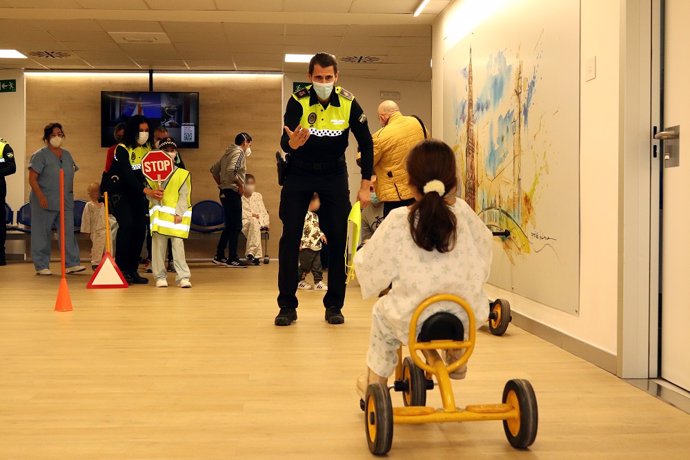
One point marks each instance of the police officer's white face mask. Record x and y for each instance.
(171, 153)
(143, 137)
(323, 90)
(248, 152)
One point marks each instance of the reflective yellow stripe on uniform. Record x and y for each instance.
(328, 122)
(2, 149)
(163, 215)
(135, 155)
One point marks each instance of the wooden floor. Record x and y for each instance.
(144, 373)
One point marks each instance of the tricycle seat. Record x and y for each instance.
(442, 326)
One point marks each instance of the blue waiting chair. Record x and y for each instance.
(9, 215)
(79, 206)
(208, 217)
(24, 218)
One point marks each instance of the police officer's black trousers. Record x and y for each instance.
(297, 191)
(133, 223)
(3, 226)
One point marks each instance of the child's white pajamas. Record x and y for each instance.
(392, 257)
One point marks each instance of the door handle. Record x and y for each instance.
(666, 135)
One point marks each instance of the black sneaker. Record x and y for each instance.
(334, 315)
(222, 261)
(286, 316)
(237, 263)
(251, 260)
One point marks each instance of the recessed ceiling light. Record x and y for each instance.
(300, 58)
(11, 54)
(420, 8)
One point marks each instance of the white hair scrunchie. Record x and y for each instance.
(435, 186)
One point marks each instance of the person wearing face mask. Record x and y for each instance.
(127, 191)
(171, 217)
(7, 167)
(44, 178)
(161, 132)
(392, 143)
(318, 120)
(229, 173)
(118, 134)
(372, 216)
(254, 219)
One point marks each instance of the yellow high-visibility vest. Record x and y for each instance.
(328, 122)
(136, 154)
(2, 149)
(163, 215)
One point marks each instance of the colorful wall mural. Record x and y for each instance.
(511, 114)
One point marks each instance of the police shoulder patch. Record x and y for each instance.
(346, 94)
(304, 92)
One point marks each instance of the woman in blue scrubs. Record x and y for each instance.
(44, 178)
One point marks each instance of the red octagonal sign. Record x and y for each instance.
(157, 166)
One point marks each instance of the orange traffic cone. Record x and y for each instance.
(63, 302)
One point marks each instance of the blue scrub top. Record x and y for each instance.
(48, 166)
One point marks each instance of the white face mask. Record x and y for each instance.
(249, 188)
(323, 90)
(143, 137)
(248, 152)
(172, 154)
(56, 141)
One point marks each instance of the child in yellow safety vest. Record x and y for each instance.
(170, 211)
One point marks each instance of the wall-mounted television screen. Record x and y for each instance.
(176, 111)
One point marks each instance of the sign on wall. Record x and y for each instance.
(511, 114)
(8, 86)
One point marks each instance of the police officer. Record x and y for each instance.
(128, 190)
(7, 168)
(318, 121)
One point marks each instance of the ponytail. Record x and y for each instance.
(433, 224)
(432, 171)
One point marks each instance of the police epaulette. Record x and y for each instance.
(304, 92)
(346, 94)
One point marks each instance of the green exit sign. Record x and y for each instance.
(8, 86)
(298, 85)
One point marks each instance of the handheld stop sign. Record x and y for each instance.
(157, 166)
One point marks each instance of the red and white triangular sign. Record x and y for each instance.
(107, 275)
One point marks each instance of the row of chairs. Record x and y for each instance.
(207, 217)
(23, 221)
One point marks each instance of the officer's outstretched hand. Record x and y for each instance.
(298, 137)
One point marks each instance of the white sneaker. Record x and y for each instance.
(304, 285)
(44, 272)
(321, 286)
(162, 282)
(185, 283)
(75, 269)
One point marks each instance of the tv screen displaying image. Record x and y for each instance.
(176, 111)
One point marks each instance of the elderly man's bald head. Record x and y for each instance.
(386, 109)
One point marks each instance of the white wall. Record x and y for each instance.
(596, 323)
(13, 123)
(415, 99)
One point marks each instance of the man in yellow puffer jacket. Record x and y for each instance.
(392, 144)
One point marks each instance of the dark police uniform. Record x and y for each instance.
(7, 168)
(319, 166)
(129, 206)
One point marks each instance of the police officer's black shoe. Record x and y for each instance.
(334, 315)
(286, 316)
(135, 278)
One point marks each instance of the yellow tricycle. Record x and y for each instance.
(414, 376)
